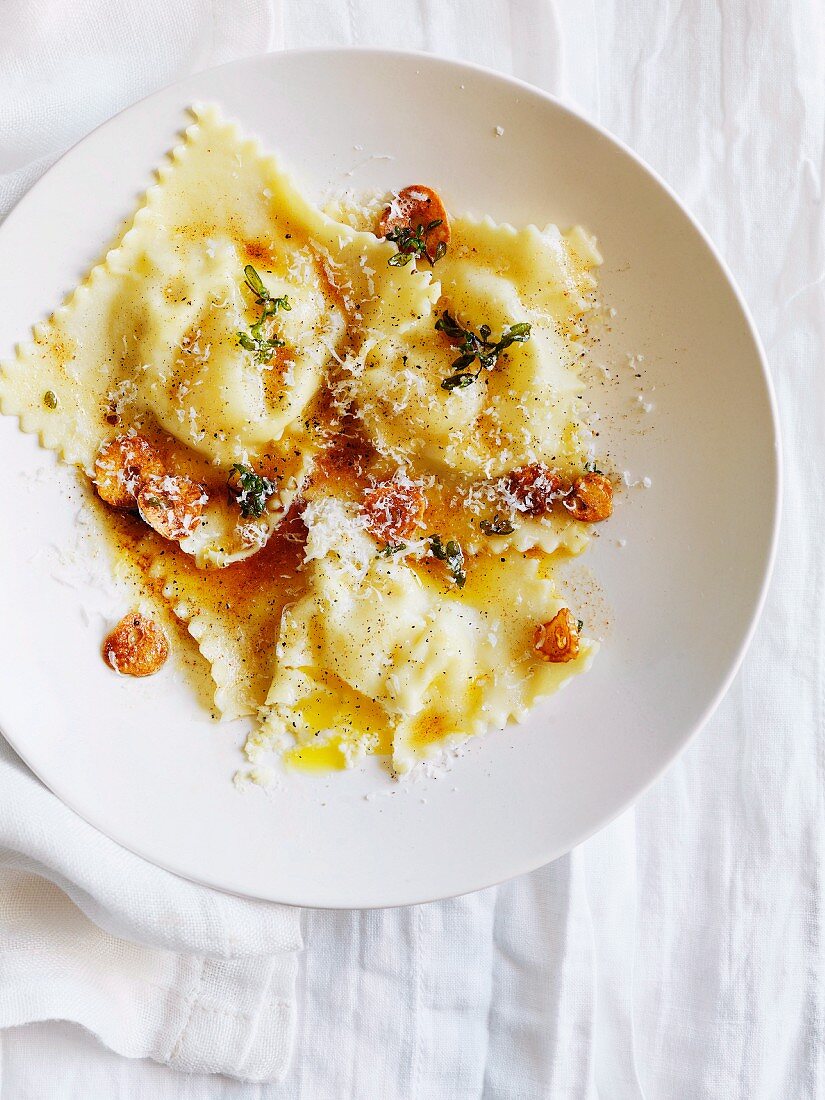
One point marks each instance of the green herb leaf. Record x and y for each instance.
(591, 468)
(391, 548)
(496, 526)
(436, 549)
(255, 282)
(262, 348)
(452, 555)
(447, 324)
(250, 490)
(412, 244)
(262, 345)
(458, 382)
(272, 305)
(580, 625)
(478, 348)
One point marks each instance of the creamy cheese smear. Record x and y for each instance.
(380, 449)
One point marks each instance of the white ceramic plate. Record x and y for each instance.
(142, 760)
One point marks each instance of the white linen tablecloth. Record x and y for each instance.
(678, 955)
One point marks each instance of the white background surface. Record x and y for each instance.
(679, 953)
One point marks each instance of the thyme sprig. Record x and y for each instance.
(476, 348)
(412, 244)
(391, 548)
(453, 557)
(251, 490)
(257, 340)
(496, 526)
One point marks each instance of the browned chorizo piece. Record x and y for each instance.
(136, 647)
(416, 220)
(533, 489)
(591, 499)
(393, 510)
(171, 504)
(121, 466)
(558, 640)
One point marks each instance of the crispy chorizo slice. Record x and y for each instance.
(121, 466)
(415, 208)
(136, 646)
(171, 504)
(533, 489)
(591, 499)
(558, 640)
(393, 510)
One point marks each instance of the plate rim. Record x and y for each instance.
(775, 449)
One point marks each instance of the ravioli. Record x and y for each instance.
(492, 275)
(370, 565)
(377, 645)
(151, 336)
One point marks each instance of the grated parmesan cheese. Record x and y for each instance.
(333, 526)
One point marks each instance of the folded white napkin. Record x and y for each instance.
(154, 965)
